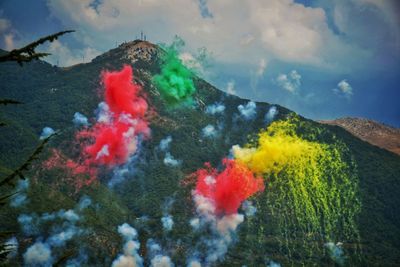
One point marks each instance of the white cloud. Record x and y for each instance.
(236, 32)
(290, 82)
(344, 89)
(62, 55)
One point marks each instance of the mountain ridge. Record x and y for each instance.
(376, 133)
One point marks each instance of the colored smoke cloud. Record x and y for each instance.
(216, 108)
(302, 196)
(80, 119)
(248, 111)
(115, 141)
(175, 82)
(46, 132)
(217, 197)
(229, 188)
(115, 137)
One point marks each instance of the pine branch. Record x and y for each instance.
(25, 166)
(6, 101)
(4, 199)
(27, 53)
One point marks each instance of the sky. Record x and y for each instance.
(323, 59)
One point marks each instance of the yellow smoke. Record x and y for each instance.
(311, 190)
(278, 147)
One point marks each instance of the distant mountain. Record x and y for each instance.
(373, 132)
(51, 95)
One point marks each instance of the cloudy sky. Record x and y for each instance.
(321, 58)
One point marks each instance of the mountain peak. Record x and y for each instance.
(132, 51)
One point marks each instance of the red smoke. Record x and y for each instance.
(229, 188)
(112, 140)
(115, 140)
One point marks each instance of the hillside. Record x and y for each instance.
(373, 132)
(52, 95)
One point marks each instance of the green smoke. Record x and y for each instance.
(175, 82)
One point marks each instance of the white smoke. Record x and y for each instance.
(39, 254)
(248, 112)
(248, 208)
(209, 131)
(273, 264)
(167, 222)
(194, 263)
(164, 143)
(84, 202)
(222, 228)
(46, 132)
(103, 113)
(130, 256)
(336, 252)
(169, 160)
(230, 87)
(28, 224)
(271, 114)
(20, 198)
(161, 261)
(216, 108)
(103, 152)
(80, 119)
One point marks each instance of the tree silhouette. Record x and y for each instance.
(22, 55)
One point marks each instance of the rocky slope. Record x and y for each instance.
(373, 132)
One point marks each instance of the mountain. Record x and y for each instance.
(51, 95)
(373, 132)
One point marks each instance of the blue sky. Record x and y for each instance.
(323, 59)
